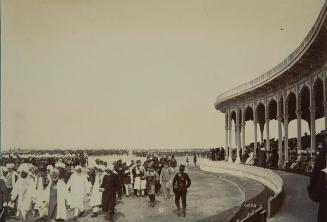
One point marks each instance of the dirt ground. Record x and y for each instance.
(208, 195)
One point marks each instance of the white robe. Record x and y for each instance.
(24, 189)
(96, 196)
(78, 186)
(62, 194)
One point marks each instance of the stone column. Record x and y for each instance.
(237, 135)
(243, 131)
(226, 135)
(299, 118)
(255, 126)
(325, 112)
(286, 135)
(230, 160)
(313, 127)
(267, 128)
(280, 142)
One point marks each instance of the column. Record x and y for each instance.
(230, 160)
(299, 118)
(237, 136)
(325, 111)
(280, 141)
(255, 124)
(285, 131)
(313, 127)
(226, 135)
(267, 128)
(243, 132)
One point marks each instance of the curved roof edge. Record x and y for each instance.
(279, 69)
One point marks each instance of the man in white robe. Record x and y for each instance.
(24, 190)
(78, 188)
(55, 197)
(96, 195)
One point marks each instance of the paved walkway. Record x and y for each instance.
(297, 206)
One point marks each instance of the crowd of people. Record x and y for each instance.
(300, 161)
(47, 185)
(170, 152)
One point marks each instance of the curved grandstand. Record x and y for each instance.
(294, 89)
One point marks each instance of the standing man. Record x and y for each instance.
(318, 186)
(127, 180)
(24, 190)
(139, 182)
(119, 168)
(195, 159)
(96, 195)
(166, 177)
(180, 184)
(3, 200)
(152, 177)
(55, 197)
(109, 187)
(173, 163)
(77, 185)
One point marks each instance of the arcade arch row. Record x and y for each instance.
(305, 100)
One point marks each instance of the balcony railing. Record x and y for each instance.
(274, 72)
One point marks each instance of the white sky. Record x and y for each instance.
(135, 74)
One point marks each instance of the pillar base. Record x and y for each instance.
(238, 160)
(230, 160)
(280, 164)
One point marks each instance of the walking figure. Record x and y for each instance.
(180, 184)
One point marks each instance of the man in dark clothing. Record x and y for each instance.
(195, 159)
(262, 157)
(318, 187)
(3, 200)
(180, 184)
(119, 168)
(110, 185)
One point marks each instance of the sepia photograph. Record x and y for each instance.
(163, 111)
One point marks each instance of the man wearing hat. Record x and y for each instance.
(127, 179)
(109, 187)
(78, 187)
(12, 177)
(180, 184)
(317, 188)
(166, 176)
(55, 197)
(24, 190)
(96, 194)
(152, 178)
(139, 182)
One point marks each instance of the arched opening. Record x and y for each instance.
(292, 132)
(273, 124)
(304, 97)
(261, 120)
(233, 126)
(318, 92)
(249, 117)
